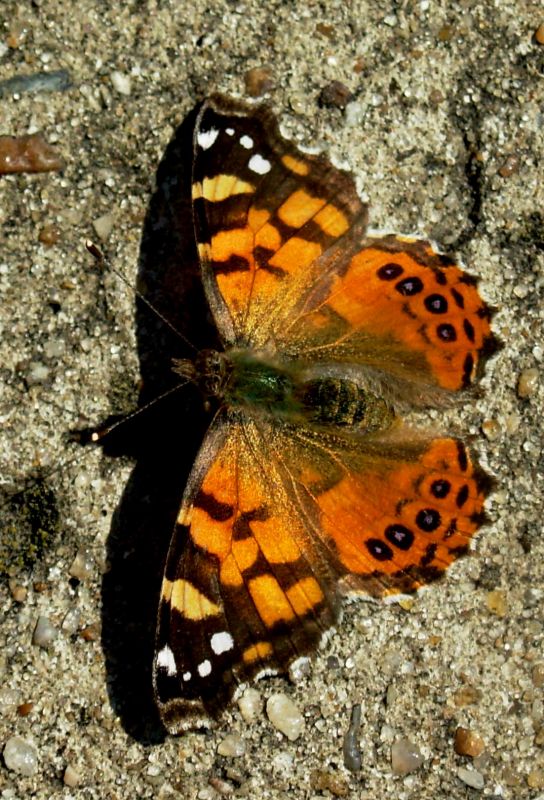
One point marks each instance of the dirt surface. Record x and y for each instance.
(441, 120)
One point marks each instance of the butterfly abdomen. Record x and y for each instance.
(337, 401)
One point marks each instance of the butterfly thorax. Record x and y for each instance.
(262, 384)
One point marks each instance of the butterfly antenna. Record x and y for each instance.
(99, 256)
(97, 435)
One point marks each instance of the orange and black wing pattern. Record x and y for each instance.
(396, 305)
(247, 589)
(264, 213)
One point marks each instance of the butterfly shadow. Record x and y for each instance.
(163, 439)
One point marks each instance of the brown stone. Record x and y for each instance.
(335, 94)
(468, 743)
(259, 81)
(27, 154)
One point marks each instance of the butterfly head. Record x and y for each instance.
(209, 371)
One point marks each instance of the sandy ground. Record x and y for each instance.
(444, 130)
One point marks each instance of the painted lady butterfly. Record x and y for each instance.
(307, 485)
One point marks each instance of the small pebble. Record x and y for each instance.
(467, 696)
(250, 704)
(285, 716)
(90, 633)
(232, 746)
(103, 226)
(121, 82)
(9, 700)
(44, 633)
(20, 756)
(57, 81)
(491, 429)
(539, 34)
(259, 81)
(24, 709)
(327, 781)
(509, 166)
(27, 154)
(72, 777)
(325, 29)
(18, 592)
(351, 749)
(82, 565)
(335, 94)
(37, 372)
(512, 423)
(436, 97)
(537, 675)
(535, 779)
(496, 602)
(468, 743)
(221, 786)
(406, 757)
(49, 235)
(299, 669)
(354, 113)
(471, 777)
(527, 382)
(53, 348)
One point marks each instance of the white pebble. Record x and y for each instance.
(232, 746)
(9, 700)
(82, 565)
(44, 633)
(103, 225)
(53, 348)
(250, 705)
(20, 756)
(528, 382)
(471, 777)
(71, 777)
(38, 372)
(285, 716)
(121, 82)
(405, 757)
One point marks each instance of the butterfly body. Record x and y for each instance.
(308, 485)
(260, 384)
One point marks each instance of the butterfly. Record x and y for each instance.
(308, 486)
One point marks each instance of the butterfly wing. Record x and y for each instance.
(264, 212)
(395, 305)
(385, 541)
(273, 518)
(288, 265)
(246, 588)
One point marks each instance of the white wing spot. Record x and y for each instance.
(259, 164)
(247, 142)
(229, 131)
(204, 669)
(206, 138)
(221, 642)
(166, 660)
(186, 676)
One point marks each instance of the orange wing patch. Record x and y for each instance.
(399, 306)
